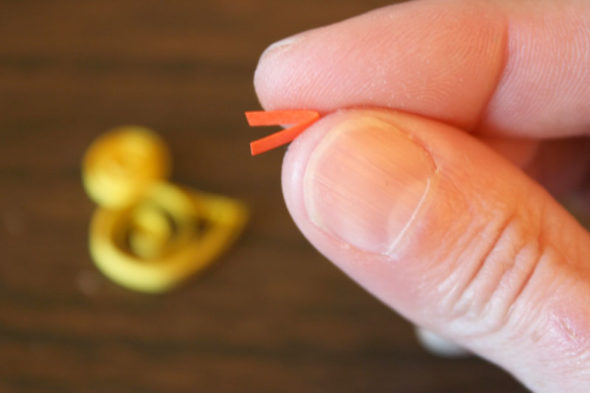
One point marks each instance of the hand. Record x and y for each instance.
(443, 202)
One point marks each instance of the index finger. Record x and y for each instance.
(519, 69)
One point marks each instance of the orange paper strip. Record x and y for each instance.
(301, 118)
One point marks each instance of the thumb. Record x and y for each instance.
(452, 236)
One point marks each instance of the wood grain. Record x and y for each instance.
(273, 316)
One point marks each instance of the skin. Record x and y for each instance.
(451, 129)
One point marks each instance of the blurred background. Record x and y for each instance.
(273, 315)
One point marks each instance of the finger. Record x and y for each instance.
(450, 234)
(503, 68)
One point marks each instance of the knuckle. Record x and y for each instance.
(492, 279)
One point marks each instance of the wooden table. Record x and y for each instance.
(274, 315)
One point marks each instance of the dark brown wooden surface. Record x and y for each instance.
(273, 316)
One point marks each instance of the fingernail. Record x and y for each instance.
(281, 45)
(364, 183)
